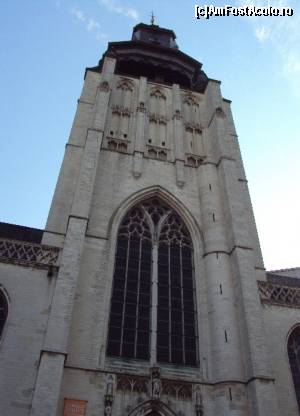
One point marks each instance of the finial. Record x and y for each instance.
(152, 19)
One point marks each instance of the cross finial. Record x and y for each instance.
(152, 19)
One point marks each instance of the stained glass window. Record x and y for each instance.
(153, 277)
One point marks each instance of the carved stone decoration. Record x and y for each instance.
(199, 402)
(191, 99)
(132, 383)
(35, 255)
(155, 383)
(194, 160)
(178, 390)
(117, 145)
(109, 397)
(104, 86)
(121, 110)
(191, 126)
(151, 407)
(141, 107)
(157, 92)
(278, 294)
(157, 152)
(177, 115)
(220, 113)
(158, 118)
(125, 84)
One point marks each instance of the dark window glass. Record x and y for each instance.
(3, 311)
(294, 358)
(176, 328)
(130, 323)
(130, 304)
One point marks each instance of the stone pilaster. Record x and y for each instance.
(56, 340)
(178, 136)
(140, 128)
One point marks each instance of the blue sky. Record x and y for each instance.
(46, 45)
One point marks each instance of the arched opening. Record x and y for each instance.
(152, 408)
(294, 359)
(3, 311)
(153, 306)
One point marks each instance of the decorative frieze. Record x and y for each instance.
(132, 383)
(158, 118)
(121, 110)
(278, 294)
(155, 386)
(178, 390)
(30, 254)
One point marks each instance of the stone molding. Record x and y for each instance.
(28, 254)
(279, 295)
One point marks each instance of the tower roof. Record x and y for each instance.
(152, 52)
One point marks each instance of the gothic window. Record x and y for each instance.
(294, 359)
(153, 308)
(3, 311)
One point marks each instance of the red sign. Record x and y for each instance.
(75, 407)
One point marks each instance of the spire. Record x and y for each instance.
(152, 19)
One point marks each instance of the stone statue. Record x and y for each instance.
(155, 383)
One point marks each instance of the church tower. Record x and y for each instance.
(155, 309)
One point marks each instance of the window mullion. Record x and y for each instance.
(124, 296)
(137, 300)
(182, 306)
(170, 304)
(154, 303)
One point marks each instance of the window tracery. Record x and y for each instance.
(153, 298)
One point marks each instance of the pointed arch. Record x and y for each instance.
(153, 306)
(125, 84)
(157, 92)
(165, 196)
(152, 407)
(191, 99)
(293, 347)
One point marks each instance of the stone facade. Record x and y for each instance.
(134, 139)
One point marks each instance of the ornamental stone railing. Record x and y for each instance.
(278, 294)
(28, 254)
